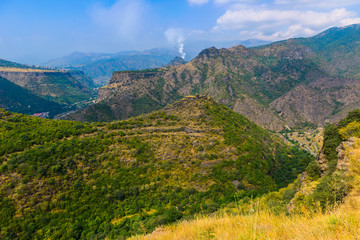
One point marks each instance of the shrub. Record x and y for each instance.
(313, 170)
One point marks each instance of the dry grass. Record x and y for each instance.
(341, 223)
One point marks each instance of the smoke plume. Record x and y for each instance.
(176, 36)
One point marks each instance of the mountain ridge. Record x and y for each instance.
(261, 78)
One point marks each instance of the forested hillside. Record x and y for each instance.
(62, 179)
(322, 203)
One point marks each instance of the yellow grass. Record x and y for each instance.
(342, 223)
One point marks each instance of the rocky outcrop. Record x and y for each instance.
(122, 82)
(323, 163)
(343, 161)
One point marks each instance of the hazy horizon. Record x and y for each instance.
(36, 31)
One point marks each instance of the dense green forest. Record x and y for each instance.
(71, 180)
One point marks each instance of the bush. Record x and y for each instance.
(289, 194)
(313, 170)
(352, 129)
(330, 191)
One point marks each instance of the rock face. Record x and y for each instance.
(303, 104)
(123, 82)
(323, 163)
(343, 161)
(289, 83)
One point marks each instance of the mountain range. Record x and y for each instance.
(292, 83)
(100, 66)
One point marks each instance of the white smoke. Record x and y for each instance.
(176, 36)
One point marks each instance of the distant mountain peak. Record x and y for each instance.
(177, 61)
(212, 52)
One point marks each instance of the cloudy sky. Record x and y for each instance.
(33, 31)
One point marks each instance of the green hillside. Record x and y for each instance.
(28, 103)
(63, 180)
(322, 203)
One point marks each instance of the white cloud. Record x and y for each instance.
(124, 18)
(235, 1)
(271, 24)
(198, 2)
(328, 4)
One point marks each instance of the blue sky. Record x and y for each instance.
(33, 31)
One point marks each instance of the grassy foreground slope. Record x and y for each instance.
(63, 180)
(343, 223)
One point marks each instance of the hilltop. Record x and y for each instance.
(294, 83)
(63, 179)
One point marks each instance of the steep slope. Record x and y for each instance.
(338, 50)
(17, 99)
(293, 82)
(62, 179)
(61, 86)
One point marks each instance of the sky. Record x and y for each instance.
(34, 31)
